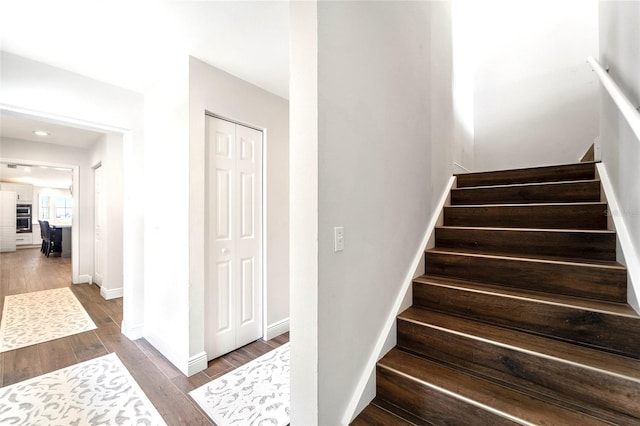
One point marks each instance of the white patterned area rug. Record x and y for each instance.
(256, 393)
(100, 391)
(40, 316)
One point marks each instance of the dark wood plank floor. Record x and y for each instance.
(27, 270)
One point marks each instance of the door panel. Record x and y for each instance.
(233, 234)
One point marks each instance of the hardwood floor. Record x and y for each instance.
(27, 270)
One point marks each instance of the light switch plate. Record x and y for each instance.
(338, 233)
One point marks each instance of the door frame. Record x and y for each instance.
(264, 209)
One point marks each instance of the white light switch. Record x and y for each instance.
(338, 233)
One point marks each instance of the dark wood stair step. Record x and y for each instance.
(546, 216)
(442, 395)
(585, 244)
(374, 415)
(602, 280)
(548, 192)
(613, 327)
(581, 171)
(596, 382)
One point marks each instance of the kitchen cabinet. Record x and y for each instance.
(7, 221)
(24, 238)
(24, 192)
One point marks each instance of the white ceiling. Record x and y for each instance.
(38, 176)
(126, 43)
(17, 126)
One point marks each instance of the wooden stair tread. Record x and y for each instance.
(604, 362)
(374, 415)
(490, 228)
(553, 173)
(505, 402)
(528, 193)
(531, 258)
(490, 206)
(526, 184)
(610, 308)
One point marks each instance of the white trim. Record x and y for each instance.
(461, 167)
(376, 353)
(111, 293)
(84, 279)
(167, 350)
(197, 363)
(276, 329)
(627, 109)
(134, 332)
(629, 252)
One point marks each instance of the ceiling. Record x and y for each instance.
(47, 177)
(126, 43)
(18, 126)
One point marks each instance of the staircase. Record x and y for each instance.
(521, 317)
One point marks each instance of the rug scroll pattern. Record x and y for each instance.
(256, 393)
(100, 391)
(40, 316)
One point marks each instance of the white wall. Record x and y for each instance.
(108, 152)
(303, 212)
(175, 198)
(212, 90)
(535, 100)
(68, 98)
(620, 149)
(44, 153)
(166, 199)
(376, 176)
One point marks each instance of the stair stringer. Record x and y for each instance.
(365, 391)
(626, 252)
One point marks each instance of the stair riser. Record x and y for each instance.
(576, 216)
(561, 278)
(578, 386)
(543, 174)
(550, 193)
(593, 246)
(609, 332)
(430, 404)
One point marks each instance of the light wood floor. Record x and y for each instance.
(27, 270)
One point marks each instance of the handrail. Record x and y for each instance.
(624, 105)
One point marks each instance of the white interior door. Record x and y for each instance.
(233, 234)
(98, 220)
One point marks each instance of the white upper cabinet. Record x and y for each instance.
(24, 192)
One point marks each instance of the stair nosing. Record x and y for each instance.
(520, 349)
(457, 252)
(459, 396)
(461, 287)
(511, 185)
(580, 203)
(557, 230)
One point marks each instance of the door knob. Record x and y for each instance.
(224, 251)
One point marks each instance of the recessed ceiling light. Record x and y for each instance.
(40, 133)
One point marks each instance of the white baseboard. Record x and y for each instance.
(276, 329)
(132, 332)
(165, 349)
(112, 293)
(362, 391)
(629, 254)
(82, 279)
(197, 363)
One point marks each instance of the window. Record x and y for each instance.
(63, 207)
(44, 207)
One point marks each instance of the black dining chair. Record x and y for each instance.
(44, 225)
(53, 238)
